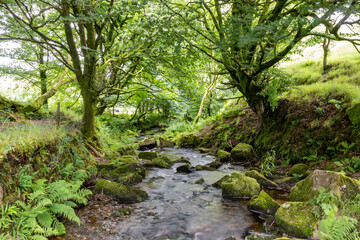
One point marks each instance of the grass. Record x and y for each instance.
(341, 80)
(27, 136)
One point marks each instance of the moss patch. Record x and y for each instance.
(299, 169)
(120, 192)
(262, 180)
(296, 219)
(223, 156)
(160, 162)
(263, 203)
(239, 186)
(242, 152)
(148, 155)
(346, 188)
(188, 140)
(354, 114)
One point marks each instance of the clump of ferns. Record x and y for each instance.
(37, 217)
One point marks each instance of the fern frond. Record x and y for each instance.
(45, 219)
(66, 211)
(38, 237)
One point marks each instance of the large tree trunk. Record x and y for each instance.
(90, 107)
(43, 77)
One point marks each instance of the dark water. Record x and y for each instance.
(177, 209)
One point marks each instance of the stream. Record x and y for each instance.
(178, 208)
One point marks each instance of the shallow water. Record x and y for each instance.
(178, 208)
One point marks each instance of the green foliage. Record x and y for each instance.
(23, 138)
(36, 217)
(267, 165)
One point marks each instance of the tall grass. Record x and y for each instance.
(340, 80)
(27, 136)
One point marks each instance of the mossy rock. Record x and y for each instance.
(188, 140)
(263, 204)
(148, 155)
(239, 186)
(296, 219)
(333, 166)
(120, 192)
(262, 180)
(286, 182)
(260, 237)
(131, 178)
(127, 159)
(148, 143)
(204, 168)
(344, 187)
(242, 152)
(186, 168)
(223, 156)
(215, 164)
(166, 143)
(182, 160)
(354, 114)
(200, 181)
(203, 150)
(298, 169)
(160, 162)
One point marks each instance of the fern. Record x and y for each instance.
(339, 228)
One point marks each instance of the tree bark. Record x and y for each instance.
(88, 128)
(43, 77)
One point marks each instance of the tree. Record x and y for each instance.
(90, 32)
(251, 37)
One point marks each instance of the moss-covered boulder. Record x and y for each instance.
(148, 155)
(239, 186)
(262, 180)
(223, 156)
(204, 168)
(263, 204)
(160, 162)
(242, 152)
(166, 143)
(200, 181)
(203, 150)
(120, 192)
(148, 143)
(286, 182)
(189, 140)
(344, 187)
(182, 160)
(186, 168)
(298, 169)
(296, 219)
(354, 114)
(127, 159)
(130, 178)
(124, 175)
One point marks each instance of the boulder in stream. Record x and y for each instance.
(344, 187)
(189, 140)
(223, 156)
(262, 180)
(160, 162)
(286, 182)
(296, 219)
(242, 152)
(239, 186)
(148, 155)
(166, 143)
(120, 192)
(263, 204)
(186, 168)
(148, 143)
(182, 160)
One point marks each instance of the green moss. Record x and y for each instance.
(296, 219)
(130, 178)
(160, 162)
(286, 182)
(120, 192)
(120, 212)
(127, 159)
(242, 152)
(299, 169)
(239, 186)
(263, 203)
(261, 179)
(148, 155)
(223, 156)
(354, 114)
(344, 187)
(188, 140)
